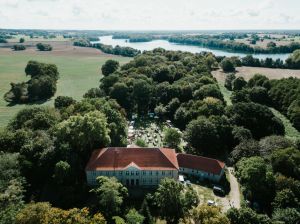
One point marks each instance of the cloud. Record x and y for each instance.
(154, 14)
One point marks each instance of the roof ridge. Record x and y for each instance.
(216, 160)
(160, 149)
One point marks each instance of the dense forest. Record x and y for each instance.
(44, 150)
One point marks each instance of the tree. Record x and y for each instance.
(294, 60)
(241, 134)
(22, 40)
(44, 47)
(293, 113)
(44, 213)
(63, 102)
(202, 134)
(210, 90)
(205, 214)
(133, 217)
(257, 181)
(35, 118)
(111, 195)
(171, 200)
(287, 162)
(84, 133)
(121, 92)
(145, 211)
(142, 91)
(141, 143)
(259, 95)
(227, 65)
(288, 215)
(259, 80)
(285, 199)
(238, 84)
(269, 144)
(62, 171)
(246, 216)
(257, 118)
(246, 148)
(94, 93)
(172, 138)
(109, 67)
(11, 187)
(228, 81)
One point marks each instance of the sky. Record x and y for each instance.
(150, 14)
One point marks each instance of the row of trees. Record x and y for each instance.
(19, 47)
(40, 86)
(211, 42)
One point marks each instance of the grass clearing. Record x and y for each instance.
(79, 72)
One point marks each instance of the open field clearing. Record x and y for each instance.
(248, 72)
(264, 43)
(79, 70)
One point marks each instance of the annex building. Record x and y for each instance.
(147, 166)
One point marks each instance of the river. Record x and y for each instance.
(142, 46)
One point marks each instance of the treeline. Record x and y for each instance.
(41, 86)
(117, 50)
(292, 62)
(211, 42)
(19, 47)
(108, 49)
(135, 37)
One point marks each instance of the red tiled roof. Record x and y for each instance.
(143, 158)
(200, 163)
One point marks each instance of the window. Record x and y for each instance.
(127, 173)
(121, 173)
(144, 172)
(132, 173)
(192, 171)
(137, 173)
(150, 172)
(170, 172)
(156, 173)
(107, 173)
(163, 173)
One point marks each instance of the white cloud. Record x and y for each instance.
(154, 14)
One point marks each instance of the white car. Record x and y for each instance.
(211, 203)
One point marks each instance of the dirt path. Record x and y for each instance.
(234, 197)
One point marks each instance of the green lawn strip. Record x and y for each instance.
(290, 131)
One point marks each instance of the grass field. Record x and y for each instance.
(79, 70)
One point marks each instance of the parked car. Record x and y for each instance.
(218, 190)
(211, 203)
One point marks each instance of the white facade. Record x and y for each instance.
(202, 175)
(133, 176)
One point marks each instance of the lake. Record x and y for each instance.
(142, 46)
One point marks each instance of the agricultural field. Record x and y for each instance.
(79, 70)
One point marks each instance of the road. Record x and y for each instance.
(234, 197)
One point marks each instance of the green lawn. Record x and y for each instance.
(78, 73)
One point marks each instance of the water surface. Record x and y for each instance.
(142, 46)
